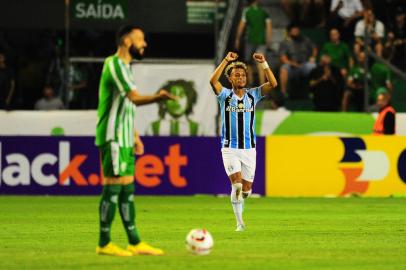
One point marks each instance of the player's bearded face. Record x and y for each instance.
(138, 45)
(136, 53)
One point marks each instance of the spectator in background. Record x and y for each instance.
(343, 16)
(355, 85)
(375, 30)
(396, 40)
(326, 84)
(49, 101)
(339, 52)
(277, 101)
(309, 13)
(55, 74)
(297, 55)
(7, 84)
(381, 76)
(258, 36)
(385, 123)
(78, 91)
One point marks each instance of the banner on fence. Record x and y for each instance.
(195, 111)
(71, 166)
(335, 166)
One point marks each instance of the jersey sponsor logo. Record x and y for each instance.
(239, 109)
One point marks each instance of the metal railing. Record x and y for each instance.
(225, 31)
(369, 52)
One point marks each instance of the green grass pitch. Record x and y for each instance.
(353, 233)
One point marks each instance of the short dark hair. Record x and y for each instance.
(123, 31)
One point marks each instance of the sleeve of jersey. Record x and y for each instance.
(223, 94)
(256, 93)
(122, 80)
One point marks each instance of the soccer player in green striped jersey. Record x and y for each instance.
(118, 97)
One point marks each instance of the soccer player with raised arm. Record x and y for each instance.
(238, 138)
(115, 139)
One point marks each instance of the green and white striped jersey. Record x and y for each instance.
(116, 113)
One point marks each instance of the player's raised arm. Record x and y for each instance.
(214, 80)
(139, 100)
(272, 83)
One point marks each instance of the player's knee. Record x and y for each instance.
(111, 193)
(237, 186)
(127, 192)
(235, 178)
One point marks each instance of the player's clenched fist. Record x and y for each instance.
(231, 56)
(259, 57)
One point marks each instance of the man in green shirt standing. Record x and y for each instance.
(381, 76)
(339, 52)
(115, 139)
(258, 35)
(355, 85)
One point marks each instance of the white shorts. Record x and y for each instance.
(240, 160)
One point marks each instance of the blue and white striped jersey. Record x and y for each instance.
(238, 118)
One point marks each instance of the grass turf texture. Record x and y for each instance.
(353, 233)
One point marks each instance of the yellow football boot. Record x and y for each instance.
(113, 250)
(144, 249)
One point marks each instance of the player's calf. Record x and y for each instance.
(246, 194)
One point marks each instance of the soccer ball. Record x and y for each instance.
(199, 241)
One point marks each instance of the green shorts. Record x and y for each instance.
(116, 160)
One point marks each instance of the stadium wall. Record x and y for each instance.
(83, 123)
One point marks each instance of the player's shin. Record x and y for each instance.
(127, 213)
(107, 209)
(237, 202)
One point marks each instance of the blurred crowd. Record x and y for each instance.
(34, 74)
(334, 73)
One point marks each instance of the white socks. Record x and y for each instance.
(237, 202)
